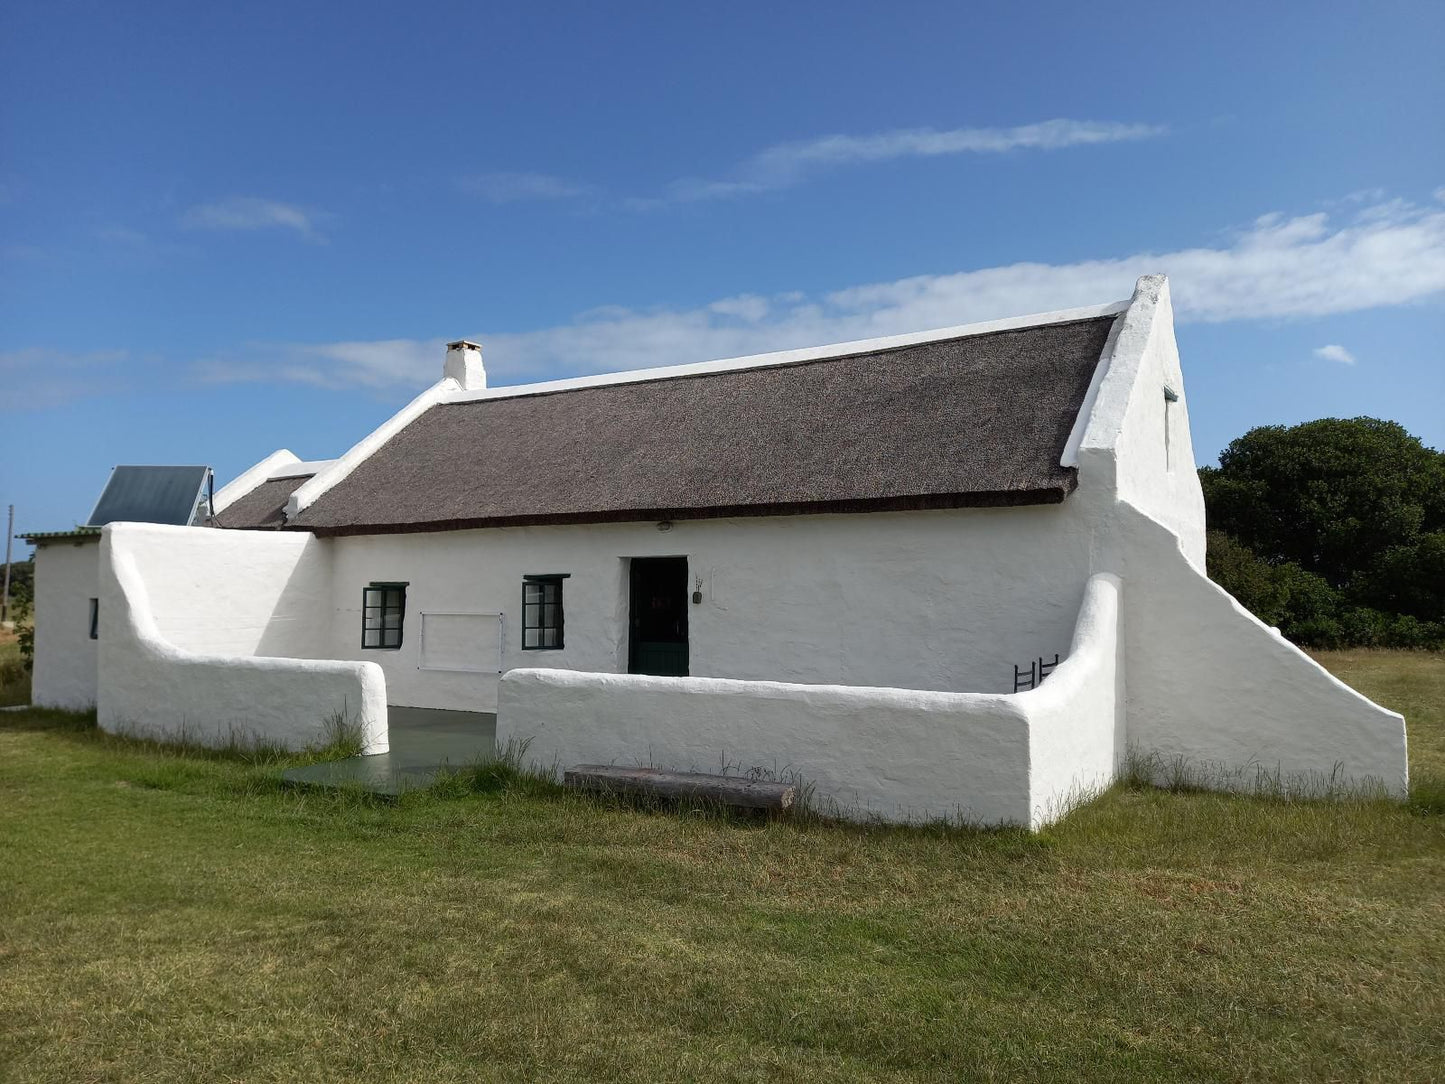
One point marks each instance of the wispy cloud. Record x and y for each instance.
(39, 377)
(381, 363)
(1335, 352)
(787, 164)
(251, 213)
(515, 187)
(123, 236)
(1278, 267)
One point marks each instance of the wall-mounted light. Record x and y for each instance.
(664, 525)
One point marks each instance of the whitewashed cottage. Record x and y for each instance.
(957, 573)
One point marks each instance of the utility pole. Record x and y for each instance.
(9, 538)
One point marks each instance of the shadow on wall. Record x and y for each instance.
(299, 626)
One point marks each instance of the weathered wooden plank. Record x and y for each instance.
(729, 790)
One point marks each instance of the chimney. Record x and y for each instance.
(464, 365)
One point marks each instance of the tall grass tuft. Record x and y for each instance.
(502, 773)
(341, 737)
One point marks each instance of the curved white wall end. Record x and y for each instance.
(152, 686)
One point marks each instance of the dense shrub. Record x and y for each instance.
(1334, 531)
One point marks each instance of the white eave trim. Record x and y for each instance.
(1109, 402)
(1070, 458)
(790, 357)
(302, 468)
(339, 469)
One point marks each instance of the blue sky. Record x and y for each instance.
(226, 229)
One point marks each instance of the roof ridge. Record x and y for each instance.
(525, 391)
(778, 359)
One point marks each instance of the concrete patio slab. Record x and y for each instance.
(424, 742)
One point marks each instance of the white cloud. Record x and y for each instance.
(251, 213)
(787, 164)
(513, 187)
(1277, 268)
(1335, 352)
(37, 377)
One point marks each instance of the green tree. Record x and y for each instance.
(1333, 530)
(1407, 579)
(1332, 496)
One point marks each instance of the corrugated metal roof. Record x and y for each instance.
(76, 533)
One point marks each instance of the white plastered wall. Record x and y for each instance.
(1136, 448)
(1214, 691)
(187, 647)
(236, 592)
(1076, 716)
(936, 601)
(66, 579)
(902, 755)
(1209, 687)
(1201, 682)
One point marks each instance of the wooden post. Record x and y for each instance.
(9, 538)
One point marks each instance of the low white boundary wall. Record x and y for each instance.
(1076, 717)
(150, 687)
(895, 754)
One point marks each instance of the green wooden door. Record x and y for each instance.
(657, 617)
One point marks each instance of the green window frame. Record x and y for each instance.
(383, 615)
(543, 620)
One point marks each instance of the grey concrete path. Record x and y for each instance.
(424, 741)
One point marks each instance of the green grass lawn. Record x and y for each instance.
(173, 917)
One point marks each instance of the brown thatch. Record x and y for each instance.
(264, 506)
(977, 420)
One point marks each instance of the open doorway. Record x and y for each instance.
(657, 617)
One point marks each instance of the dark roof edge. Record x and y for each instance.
(1009, 498)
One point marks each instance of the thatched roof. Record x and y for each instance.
(980, 419)
(264, 506)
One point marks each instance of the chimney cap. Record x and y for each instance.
(464, 344)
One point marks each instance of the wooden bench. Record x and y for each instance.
(729, 790)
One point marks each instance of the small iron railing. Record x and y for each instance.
(1033, 676)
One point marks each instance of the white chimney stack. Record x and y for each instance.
(464, 365)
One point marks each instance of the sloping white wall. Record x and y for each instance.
(1211, 687)
(66, 579)
(182, 611)
(940, 600)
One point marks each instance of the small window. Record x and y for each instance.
(383, 606)
(542, 612)
(95, 619)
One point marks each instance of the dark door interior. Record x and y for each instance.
(657, 642)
